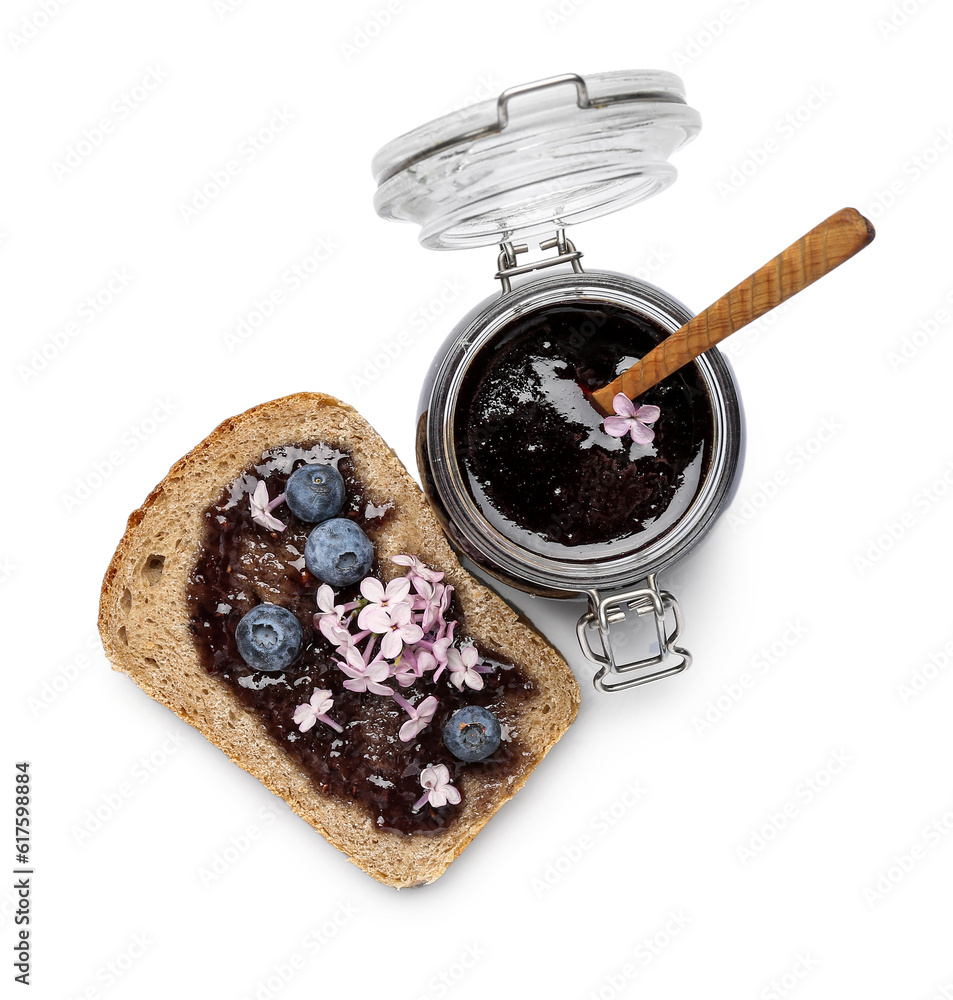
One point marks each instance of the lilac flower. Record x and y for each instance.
(438, 791)
(261, 507)
(365, 676)
(316, 711)
(463, 667)
(326, 602)
(381, 600)
(420, 717)
(396, 627)
(425, 661)
(417, 568)
(629, 419)
(441, 649)
(432, 602)
(405, 670)
(335, 632)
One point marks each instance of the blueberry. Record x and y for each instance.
(315, 493)
(472, 733)
(269, 638)
(338, 552)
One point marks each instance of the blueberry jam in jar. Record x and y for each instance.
(538, 463)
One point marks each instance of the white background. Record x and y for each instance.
(825, 588)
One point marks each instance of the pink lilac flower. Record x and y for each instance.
(326, 602)
(464, 669)
(420, 716)
(381, 601)
(334, 632)
(261, 507)
(441, 649)
(426, 661)
(365, 676)
(417, 568)
(405, 670)
(432, 602)
(316, 711)
(438, 791)
(630, 419)
(396, 627)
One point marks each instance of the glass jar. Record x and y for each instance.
(511, 169)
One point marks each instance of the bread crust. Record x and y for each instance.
(144, 625)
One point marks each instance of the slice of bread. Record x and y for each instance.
(145, 627)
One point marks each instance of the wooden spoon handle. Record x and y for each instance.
(816, 253)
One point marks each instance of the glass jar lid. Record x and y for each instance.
(539, 157)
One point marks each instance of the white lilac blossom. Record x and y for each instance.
(420, 716)
(630, 419)
(417, 568)
(261, 507)
(316, 710)
(464, 669)
(381, 599)
(326, 602)
(435, 781)
(400, 630)
(365, 676)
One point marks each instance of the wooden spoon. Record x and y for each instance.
(816, 253)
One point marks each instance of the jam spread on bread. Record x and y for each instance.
(536, 458)
(244, 564)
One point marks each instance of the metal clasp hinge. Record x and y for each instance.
(507, 267)
(604, 612)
